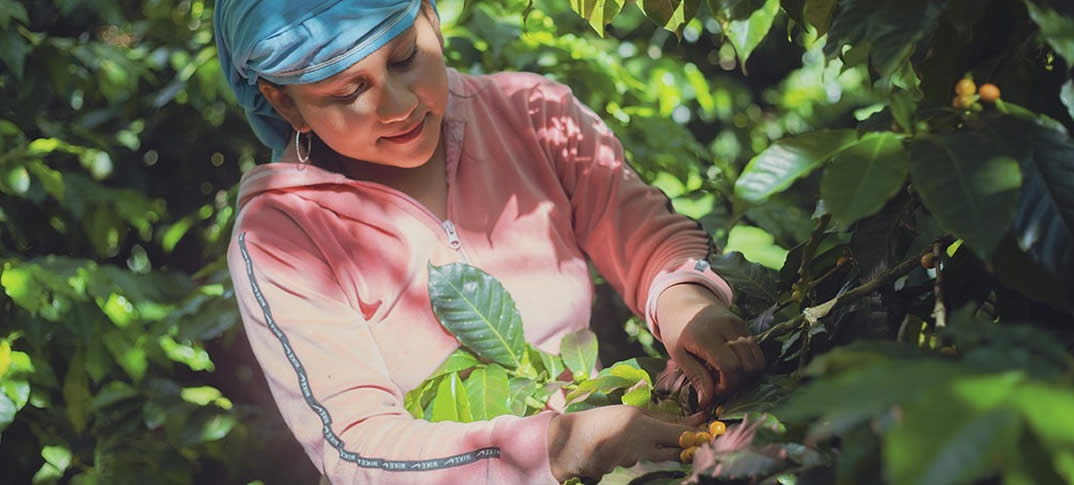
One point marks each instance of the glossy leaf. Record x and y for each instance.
(777, 167)
(968, 185)
(1057, 28)
(489, 392)
(745, 33)
(672, 15)
(1066, 95)
(889, 28)
(943, 442)
(599, 13)
(861, 179)
(755, 285)
(520, 389)
(459, 360)
(579, 351)
(452, 402)
(479, 311)
(1044, 224)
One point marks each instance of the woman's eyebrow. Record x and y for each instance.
(357, 70)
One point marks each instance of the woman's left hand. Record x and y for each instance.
(710, 343)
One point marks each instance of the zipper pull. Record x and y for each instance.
(453, 237)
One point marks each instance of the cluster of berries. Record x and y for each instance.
(967, 94)
(690, 440)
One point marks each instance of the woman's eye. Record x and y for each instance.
(353, 94)
(409, 59)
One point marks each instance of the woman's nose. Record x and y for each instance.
(398, 103)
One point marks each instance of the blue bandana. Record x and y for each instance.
(296, 42)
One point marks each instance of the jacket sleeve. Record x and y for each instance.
(327, 375)
(626, 227)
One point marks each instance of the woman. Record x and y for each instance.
(386, 161)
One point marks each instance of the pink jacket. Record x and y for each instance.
(330, 275)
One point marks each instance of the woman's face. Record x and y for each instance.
(385, 109)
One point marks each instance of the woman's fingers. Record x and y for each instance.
(727, 364)
(699, 375)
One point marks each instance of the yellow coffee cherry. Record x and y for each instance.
(717, 428)
(686, 439)
(687, 455)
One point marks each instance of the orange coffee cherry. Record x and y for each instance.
(989, 93)
(717, 428)
(928, 261)
(842, 261)
(686, 439)
(702, 437)
(687, 455)
(964, 101)
(966, 87)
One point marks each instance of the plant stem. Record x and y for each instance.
(847, 298)
(939, 310)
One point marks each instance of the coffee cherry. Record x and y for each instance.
(928, 261)
(989, 93)
(686, 439)
(687, 455)
(966, 87)
(717, 428)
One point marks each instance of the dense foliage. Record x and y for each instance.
(904, 250)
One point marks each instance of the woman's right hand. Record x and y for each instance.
(593, 442)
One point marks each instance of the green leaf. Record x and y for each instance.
(818, 13)
(1044, 223)
(638, 396)
(520, 389)
(747, 33)
(76, 392)
(599, 13)
(14, 52)
(862, 178)
(1057, 29)
(479, 311)
(756, 245)
(755, 285)
(51, 180)
(672, 15)
(579, 351)
(1042, 404)
(417, 399)
(129, 352)
(23, 288)
(7, 411)
(57, 456)
(1066, 95)
(111, 393)
(777, 167)
(889, 29)
(551, 364)
(5, 357)
(489, 392)
(201, 395)
(939, 442)
(968, 185)
(459, 360)
(451, 402)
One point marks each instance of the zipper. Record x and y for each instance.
(453, 239)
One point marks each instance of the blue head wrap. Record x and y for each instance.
(295, 42)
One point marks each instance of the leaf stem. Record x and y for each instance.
(847, 298)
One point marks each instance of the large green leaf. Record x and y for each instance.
(479, 311)
(786, 160)
(459, 360)
(889, 29)
(1057, 28)
(968, 185)
(452, 403)
(670, 14)
(599, 13)
(754, 284)
(76, 392)
(1066, 95)
(489, 392)
(579, 351)
(941, 442)
(745, 33)
(862, 178)
(1044, 224)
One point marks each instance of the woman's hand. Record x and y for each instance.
(710, 343)
(593, 442)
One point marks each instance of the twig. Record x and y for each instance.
(847, 298)
(939, 310)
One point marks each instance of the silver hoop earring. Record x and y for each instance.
(298, 146)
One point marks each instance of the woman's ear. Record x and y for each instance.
(283, 103)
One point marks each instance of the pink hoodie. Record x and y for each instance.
(330, 275)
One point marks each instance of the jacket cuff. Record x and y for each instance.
(523, 444)
(696, 271)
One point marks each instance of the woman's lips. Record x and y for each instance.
(410, 135)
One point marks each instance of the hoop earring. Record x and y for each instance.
(298, 146)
